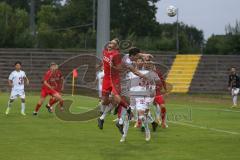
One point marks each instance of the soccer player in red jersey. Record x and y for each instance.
(49, 88)
(159, 101)
(60, 86)
(111, 80)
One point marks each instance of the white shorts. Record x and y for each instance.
(143, 103)
(235, 91)
(17, 93)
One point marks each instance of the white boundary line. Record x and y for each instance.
(206, 128)
(207, 109)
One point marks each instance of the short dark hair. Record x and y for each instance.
(17, 62)
(133, 51)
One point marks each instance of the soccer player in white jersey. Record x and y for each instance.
(16, 81)
(142, 92)
(127, 65)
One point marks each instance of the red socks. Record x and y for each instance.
(38, 106)
(52, 101)
(163, 114)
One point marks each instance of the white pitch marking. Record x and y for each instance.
(207, 109)
(86, 108)
(203, 127)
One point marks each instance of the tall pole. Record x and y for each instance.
(94, 13)
(32, 17)
(177, 35)
(103, 25)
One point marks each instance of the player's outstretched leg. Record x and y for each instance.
(121, 117)
(9, 106)
(38, 106)
(59, 98)
(164, 116)
(106, 109)
(125, 129)
(51, 102)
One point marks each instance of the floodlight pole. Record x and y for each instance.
(103, 25)
(94, 13)
(177, 35)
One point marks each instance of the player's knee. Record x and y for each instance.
(23, 100)
(11, 100)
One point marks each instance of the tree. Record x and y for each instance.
(134, 16)
(14, 30)
(225, 44)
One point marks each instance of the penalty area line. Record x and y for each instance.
(206, 128)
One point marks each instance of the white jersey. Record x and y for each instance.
(126, 61)
(140, 87)
(17, 78)
(99, 78)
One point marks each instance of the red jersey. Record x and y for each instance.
(110, 59)
(51, 78)
(161, 85)
(59, 80)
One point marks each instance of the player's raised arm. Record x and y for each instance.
(137, 72)
(145, 56)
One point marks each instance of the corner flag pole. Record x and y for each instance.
(73, 85)
(74, 75)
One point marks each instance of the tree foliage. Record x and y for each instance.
(225, 44)
(70, 25)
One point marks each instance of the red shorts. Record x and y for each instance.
(46, 92)
(111, 85)
(159, 100)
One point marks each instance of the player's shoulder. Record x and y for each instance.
(48, 72)
(13, 72)
(22, 72)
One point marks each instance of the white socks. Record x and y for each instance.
(23, 107)
(106, 109)
(125, 128)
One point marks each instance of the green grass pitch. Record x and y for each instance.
(200, 127)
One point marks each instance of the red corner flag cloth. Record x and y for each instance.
(75, 73)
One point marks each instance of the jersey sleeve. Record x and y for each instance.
(11, 76)
(24, 74)
(47, 76)
(127, 62)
